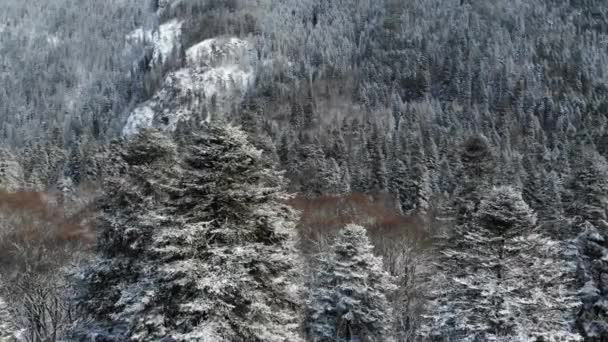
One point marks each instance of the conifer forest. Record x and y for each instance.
(303, 170)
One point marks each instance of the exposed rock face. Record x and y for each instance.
(217, 74)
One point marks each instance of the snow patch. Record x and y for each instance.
(166, 5)
(166, 39)
(163, 40)
(139, 119)
(217, 51)
(53, 40)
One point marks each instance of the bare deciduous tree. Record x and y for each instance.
(37, 246)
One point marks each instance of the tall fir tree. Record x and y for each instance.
(476, 174)
(7, 326)
(195, 244)
(592, 271)
(588, 187)
(586, 203)
(349, 296)
(11, 172)
(499, 280)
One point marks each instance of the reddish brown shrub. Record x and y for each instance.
(324, 215)
(37, 242)
(33, 231)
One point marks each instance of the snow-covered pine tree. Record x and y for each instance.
(587, 203)
(337, 146)
(379, 175)
(7, 328)
(194, 248)
(499, 280)
(478, 166)
(74, 168)
(589, 186)
(11, 172)
(349, 295)
(398, 183)
(592, 249)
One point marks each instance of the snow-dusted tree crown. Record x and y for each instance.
(505, 211)
(349, 297)
(195, 244)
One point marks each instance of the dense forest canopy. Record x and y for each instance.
(441, 149)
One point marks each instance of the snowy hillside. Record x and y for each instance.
(218, 73)
(446, 162)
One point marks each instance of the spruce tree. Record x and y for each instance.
(399, 184)
(592, 255)
(477, 171)
(349, 299)
(74, 167)
(586, 203)
(7, 327)
(195, 244)
(378, 180)
(11, 172)
(499, 280)
(588, 186)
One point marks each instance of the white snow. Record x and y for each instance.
(138, 35)
(165, 5)
(163, 40)
(212, 52)
(141, 118)
(53, 40)
(214, 81)
(166, 39)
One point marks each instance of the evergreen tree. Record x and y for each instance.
(11, 172)
(349, 299)
(551, 196)
(337, 146)
(296, 118)
(477, 171)
(399, 184)
(588, 187)
(38, 178)
(379, 175)
(195, 244)
(311, 161)
(418, 188)
(308, 111)
(7, 328)
(74, 169)
(587, 202)
(592, 255)
(499, 280)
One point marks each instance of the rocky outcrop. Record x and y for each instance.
(217, 74)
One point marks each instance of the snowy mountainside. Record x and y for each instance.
(218, 72)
